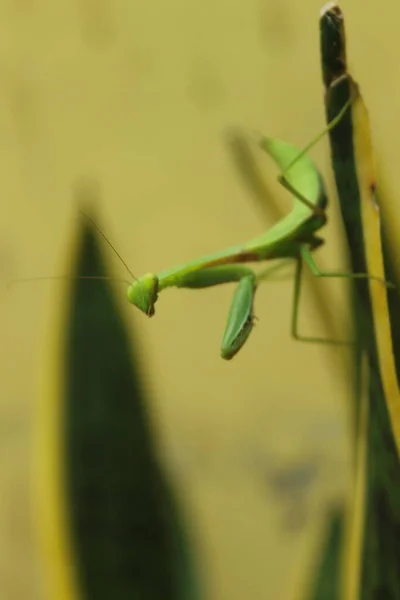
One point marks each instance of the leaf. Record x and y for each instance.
(327, 573)
(374, 316)
(110, 522)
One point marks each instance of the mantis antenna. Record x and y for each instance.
(71, 278)
(102, 277)
(109, 243)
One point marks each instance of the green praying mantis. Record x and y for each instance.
(293, 237)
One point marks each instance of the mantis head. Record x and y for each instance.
(143, 293)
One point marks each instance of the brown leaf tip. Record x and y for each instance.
(331, 7)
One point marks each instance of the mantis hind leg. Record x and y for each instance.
(282, 177)
(295, 314)
(307, 257)
(270, 272)
(315, 270)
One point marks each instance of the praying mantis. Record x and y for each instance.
(293, 237)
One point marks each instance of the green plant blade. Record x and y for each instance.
(111, 525)
(352, 161)
(325, 585)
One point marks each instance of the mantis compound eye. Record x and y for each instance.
(143, 293)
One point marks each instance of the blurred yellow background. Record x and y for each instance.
(137, 96)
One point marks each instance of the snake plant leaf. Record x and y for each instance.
(325, 582)
(376, 318)
(109, 519)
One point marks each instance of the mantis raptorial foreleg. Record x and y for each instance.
(210, 276)
(240, 319)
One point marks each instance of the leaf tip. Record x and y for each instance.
(331, 6)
